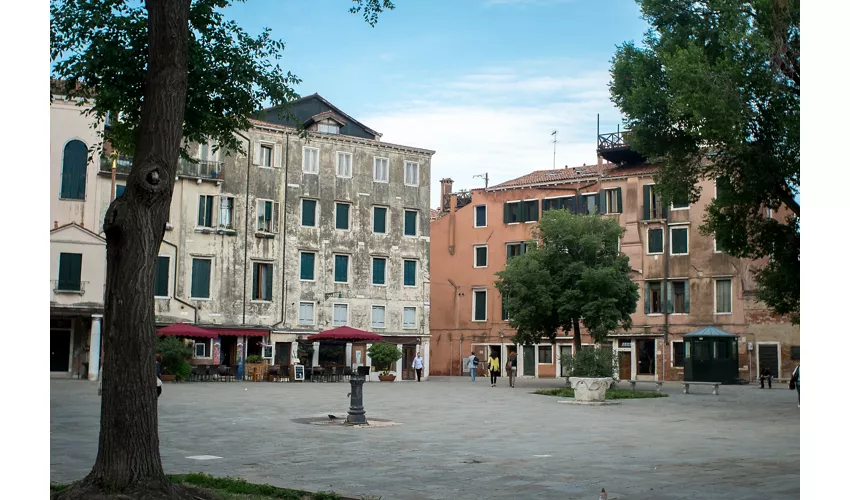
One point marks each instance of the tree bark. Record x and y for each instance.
(128, 459)
(576, 337)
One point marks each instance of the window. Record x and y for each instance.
(379, 220)
(480, 259)
(795, 353)
(652, 206)
(308, 266)
(342, 221)
(681, 204)
(201, 278)
(520, 211)
(382, 170)
(653, 302)
(409, 319)
(119, 190)
(225, 212)
(654, 241)
(678, 354)
(267, 215)
(328, 128)
(562, 203)
(379, 271)
(517, 249)
(340, 268)
(310, 162)
(410, 217)
(343, 164)
(479, 305)
(70, 272)
(545, 354)
(411, 173)
(614, 201)
(268, 351)
(201, 349)
(378, 316)
(679, 241)
(505, 315)
(409, 273)
(160, 283)
(306, 313)
(263, 278)
(75, 158)
(589, 203)
(723, 296)
(266, 153)
(205, 210)
(340, 314)
(481, 216)
(308, 213)
(681, 297)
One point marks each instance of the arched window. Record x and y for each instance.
(74, 161)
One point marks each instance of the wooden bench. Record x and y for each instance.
(689, 384)
(633, 383)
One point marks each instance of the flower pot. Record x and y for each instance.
(386, 378)
(590, 389)
(168, 378)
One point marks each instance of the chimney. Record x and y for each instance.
(445, 193)
(56, 224)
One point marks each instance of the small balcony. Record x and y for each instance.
(69, 287)
(614, 147)
(196, 169)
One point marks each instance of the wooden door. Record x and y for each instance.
(358, 355)
(282, 353)
(625, 365)
(407, 371)
(769, 359)
(483, 354)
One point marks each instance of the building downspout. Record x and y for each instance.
(177, 263)
(245, 246)
(669, 241)
(283, 237)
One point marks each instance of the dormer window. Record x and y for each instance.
(329, 128)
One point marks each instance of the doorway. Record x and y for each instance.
(228, 350)
(481, 354)
(60, 350)
(646, 358)
(768, 358)
(282, 353)
(358, 355)
(496, 352)
(529, 361)
(407, 371)
(566, 354)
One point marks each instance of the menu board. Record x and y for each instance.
(299, 372)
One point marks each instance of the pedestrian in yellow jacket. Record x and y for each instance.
(493, 364)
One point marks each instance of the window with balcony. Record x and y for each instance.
(653, 208)
(70, 272)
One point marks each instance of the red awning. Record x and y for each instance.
(345, 334)
(238, 331)
(185, 330)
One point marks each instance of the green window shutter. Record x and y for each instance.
(410, 273)
(480, 305)
(646, 297)
(669, 297)
(663, 208)
(522, 212)
(646, 202)
(268, 280)
(507, 209)
(160, 288)
(342, 216)
(341, 268)
(200, 278)
(602, 202)
(202, 201)
(308, 213)
(687, 297)
(679, 241)
(70, 270)
(409, 223)
(119, 190)
(533, 210)
(255, 290)
(74, 162)
(546, 204)
(380, 223)
(620, 200)
(379, 271)
(308, 262)
(656, 241)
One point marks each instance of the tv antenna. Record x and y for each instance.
(485, 177)
(554, 134)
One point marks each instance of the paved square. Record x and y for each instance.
(458, 440)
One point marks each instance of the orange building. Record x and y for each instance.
(476, 232)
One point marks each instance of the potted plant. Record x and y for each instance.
(175, 355)
(590, 373)
(384, 356)
(256, 367)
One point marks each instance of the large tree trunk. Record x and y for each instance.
(128, 459)
(576, 337)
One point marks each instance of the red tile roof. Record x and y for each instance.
(571, 174)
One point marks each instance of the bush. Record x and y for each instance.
(174, 355)
(184, 369)
(254, 359)
(384, 355)
(590, 362)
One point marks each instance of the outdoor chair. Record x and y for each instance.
(222, 373)
(285, 373)
(272, 374)
(232, 371)
(318, 374)
(346, 373)
(198, 372)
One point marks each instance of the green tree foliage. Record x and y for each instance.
(595, 362)
(577, 277)
(714, 93)
(384, 355)
(174, 355)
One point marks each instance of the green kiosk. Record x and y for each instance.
(711, 355)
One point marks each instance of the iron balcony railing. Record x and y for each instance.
(613, 140)
(201, 169)
(65, 286)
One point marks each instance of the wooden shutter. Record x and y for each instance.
(410, 223)
(308, 266)
(342, 219)
(620, 208)
(507, 213)
(277, 155)
(480, 305)
(74, 162)
(647, 202)
(523, 212)
(340, 268)
(647, 296)
(70, 270)
(380, 222)
(202, 201)
(687, 296)
(545, 205)
(255, 290)
(256, 153)
(599, 202)
(602, 202)
(533, 212)
(200, 278)
(161, 281)
(308, 213)
(668, 298)
(410, 273)
(378, 271)
(664, 208)
(267, 275)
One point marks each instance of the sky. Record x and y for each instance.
(481, 82)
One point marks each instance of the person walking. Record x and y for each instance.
(493, 365)
(472, 363)
(511, 367)
(795, 382)
(158, 375)
(418, 364)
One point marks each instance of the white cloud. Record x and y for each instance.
(500, 122)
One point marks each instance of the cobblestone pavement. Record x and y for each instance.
(459, 440)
